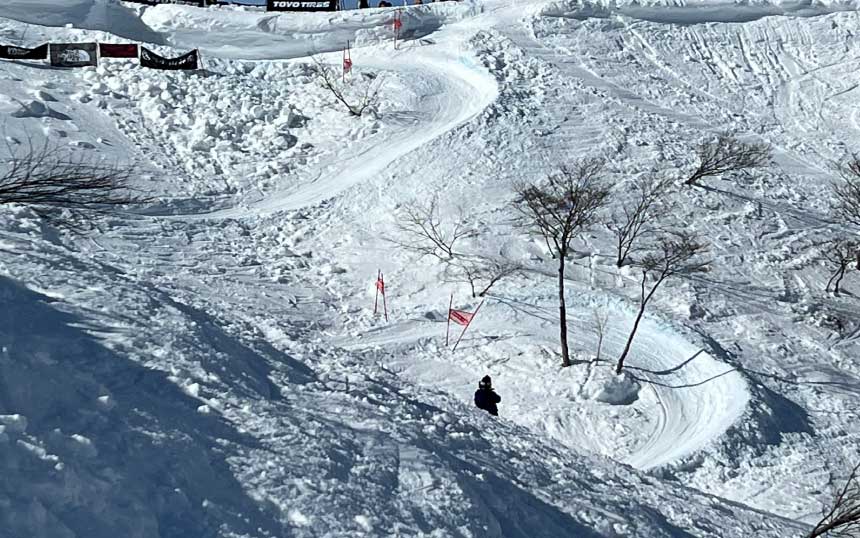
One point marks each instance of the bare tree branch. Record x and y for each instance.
(558, 209)
(356, 100)
(842, 518)
(848, 192)
(600, 319)
(426, 232)
(53, 180)
(675, 254)
(637, 220)
(726, 155)
(840, 254)
(483, 272)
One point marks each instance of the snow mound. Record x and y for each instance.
(619, 390)
(102, 15)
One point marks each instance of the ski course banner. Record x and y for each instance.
(154, 61)
(74, 54)
(10, 52)
(114, 50)
(301, 5)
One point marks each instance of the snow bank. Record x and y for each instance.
(237, 33)
(104, 15)
(696, 11)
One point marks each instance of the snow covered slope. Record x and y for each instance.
(209, 366)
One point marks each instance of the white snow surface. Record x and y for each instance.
(211, 365)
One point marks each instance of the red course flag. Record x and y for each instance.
(397, 24)
(380, 289)
(112, 50)
(347, 62)
(460, 317)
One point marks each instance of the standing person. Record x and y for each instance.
(486, 398)
(363, 4)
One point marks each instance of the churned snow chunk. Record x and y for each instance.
(193, 389)
(298, 519)
(619, 390)
(14, 423)
(364, 522)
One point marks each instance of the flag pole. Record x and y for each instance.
(448, 328)
(376, 298)
(467, 325)
(384, 300)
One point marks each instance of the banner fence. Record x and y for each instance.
(88, 54)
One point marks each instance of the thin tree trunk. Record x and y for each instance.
(642, 303)
(832, 278)
(599, 345)
(562, 313)
(838, 280)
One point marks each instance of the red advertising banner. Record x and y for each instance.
(114, 50)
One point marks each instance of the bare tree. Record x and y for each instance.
(675, 254)
(637, 219)
(727, 154)
(357, 96)
(600, 319)
(426, 232)
(483, 272)
(848, 192)
(842, 519)
(840, 253)
(560, 208)
(51, 179)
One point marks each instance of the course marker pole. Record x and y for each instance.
(467, 325)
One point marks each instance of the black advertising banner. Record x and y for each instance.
(113, 50)
(154, 61)
(301, 5)
(20, 53)
(74, 54)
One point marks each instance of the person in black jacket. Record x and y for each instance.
(486, 398)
